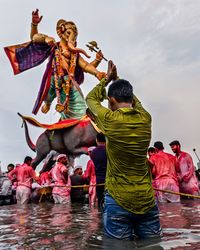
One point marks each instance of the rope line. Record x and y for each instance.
(76, 186)
(103, 184)
(178, 193)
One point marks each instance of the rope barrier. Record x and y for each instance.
(103, 184)
(178, 193)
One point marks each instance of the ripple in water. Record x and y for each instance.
(48, 226)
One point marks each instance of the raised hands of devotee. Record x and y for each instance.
(111, 72)
(36, 19)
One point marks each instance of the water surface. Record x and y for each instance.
(49, 226)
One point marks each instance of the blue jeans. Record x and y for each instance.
(122, 224)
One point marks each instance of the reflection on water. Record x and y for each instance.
(49, 226)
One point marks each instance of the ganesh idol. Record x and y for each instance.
(65, 69)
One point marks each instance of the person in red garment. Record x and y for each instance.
(62, 182)
(25, 175)
(186, 171)
(151, 151)
(163, 166)
(91, 175)
(45, 179)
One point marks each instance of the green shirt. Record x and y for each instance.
(128, 134)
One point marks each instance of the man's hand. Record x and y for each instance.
(36, 19)
(111, 72)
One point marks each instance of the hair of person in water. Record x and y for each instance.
(152, 150)
(121, 90)
(100, 137)
(175, 142)
(159, 145)
(27, 159)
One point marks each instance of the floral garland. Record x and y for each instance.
(64, 85)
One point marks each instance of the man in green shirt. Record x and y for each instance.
(130, 208)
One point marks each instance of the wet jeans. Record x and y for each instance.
(122, 224)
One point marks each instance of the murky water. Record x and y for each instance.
(49, 226)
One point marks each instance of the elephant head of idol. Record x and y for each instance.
(68, 32)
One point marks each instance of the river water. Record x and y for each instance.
(49, 226)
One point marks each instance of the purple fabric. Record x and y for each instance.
(42, 86)
(78, 75)
(32, 55)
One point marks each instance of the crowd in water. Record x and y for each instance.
(176, 174)
(57, 182)
(21, 184)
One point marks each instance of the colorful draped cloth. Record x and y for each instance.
(58, 125)
(28, 55)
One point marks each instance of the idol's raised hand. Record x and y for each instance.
(36, 19)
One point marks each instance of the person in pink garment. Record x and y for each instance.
(45, 179)
(151, 151)
(25, 175)
(91, 175)
(163, 166)
(62, 182)
(186, 170)
(10, 167)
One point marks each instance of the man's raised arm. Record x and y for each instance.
(98, 95)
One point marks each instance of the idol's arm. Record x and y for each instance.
(41, 38)
(36, 19)
(97, 60)
(34, 30)
(89, 68)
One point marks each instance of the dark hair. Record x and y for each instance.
(121, 90)
(100, 137)
(11, 165)
(158, 145)
(175, 142)
(152, 150)
(27, 159)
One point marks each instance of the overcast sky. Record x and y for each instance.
(154, 43)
